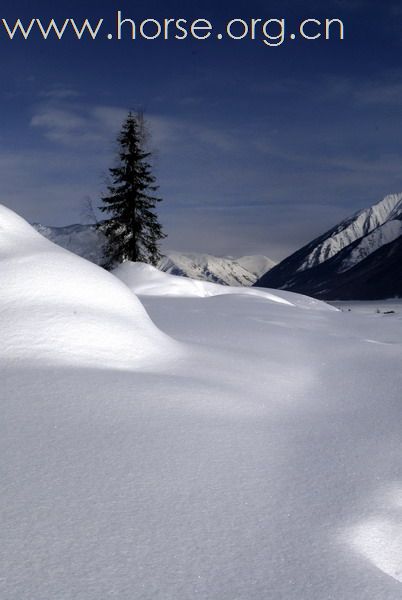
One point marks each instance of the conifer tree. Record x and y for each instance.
(132, 229)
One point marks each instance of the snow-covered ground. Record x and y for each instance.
(213, 445)
(384, 307)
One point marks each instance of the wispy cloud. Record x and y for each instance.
(262, 185)
(64, 120)
(382, 90)
(59, 93)
(74, 124)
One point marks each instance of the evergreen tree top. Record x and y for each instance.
(132, 230)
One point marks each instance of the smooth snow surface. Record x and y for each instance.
(146, 280)
(63, 309)
(260, 460)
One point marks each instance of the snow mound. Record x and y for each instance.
(145, 280)
(58, 308)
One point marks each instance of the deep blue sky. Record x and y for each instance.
(257, 149)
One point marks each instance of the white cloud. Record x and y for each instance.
(63, 120)
(77, 125)
(59, 93)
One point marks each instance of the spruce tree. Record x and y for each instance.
(132, 229)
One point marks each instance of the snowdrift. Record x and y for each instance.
(145, 280)
(57, 307)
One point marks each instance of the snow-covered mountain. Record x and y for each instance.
(83, 240)
(87, 242)
(256, 264)
(361, 258)
(227, 271)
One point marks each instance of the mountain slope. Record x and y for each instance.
(257, 265)
(83, 240)
(357, 259)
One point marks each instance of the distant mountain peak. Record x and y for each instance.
(341, 263)
(357, 227)
(242, 271)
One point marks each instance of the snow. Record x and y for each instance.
(62, 309)
(386, 307)
(385, 234)
(145, 280)
(378, 537)
(361, 225)
(216, 446)
(257, 264)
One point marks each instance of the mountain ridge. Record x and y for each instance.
(340, 264)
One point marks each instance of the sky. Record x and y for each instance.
(256, 149)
